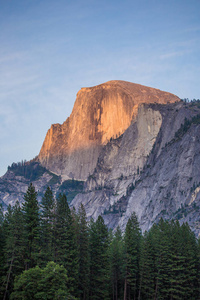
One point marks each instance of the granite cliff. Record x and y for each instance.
(100, 113)
(152, 169)
(136, 149)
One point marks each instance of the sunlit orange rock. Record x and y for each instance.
(100, 113)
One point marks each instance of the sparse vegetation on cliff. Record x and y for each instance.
(186, 125)
(71, 188)
(31, 170)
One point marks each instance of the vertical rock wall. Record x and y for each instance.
(99, 114)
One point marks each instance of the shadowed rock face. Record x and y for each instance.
(152, 170)
(100, 113)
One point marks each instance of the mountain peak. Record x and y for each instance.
(100, 113)
(133, 88)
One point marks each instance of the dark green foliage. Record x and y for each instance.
(162, 249)
(54, 180)
(132, 239)
(184, 128)
(188, 250)
(117, 265)
(91, 262)
(26, 285)
(186, 125)
(47, 230)
(14, 246)
(30, 170)
(72, 184)
(66, 252)
(32, 226)
(148, 265)
(48, 283)
(83, 254)
(169, 263)
(71, 188)
(99, 272)
(195, 103)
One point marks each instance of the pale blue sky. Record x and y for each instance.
(50, 49)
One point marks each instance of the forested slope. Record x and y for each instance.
(50, 251)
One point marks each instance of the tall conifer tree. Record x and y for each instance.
(14, 246)
(163, 246)
(32, 226)
(176, 263)
(84, 260)
(132, 240)
(47, 221)
(147, 265)
(117, 265)
(188, 250)
(99, 272)
(65, 242)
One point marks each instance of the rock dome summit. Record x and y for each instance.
(100, 113)
(125, 148)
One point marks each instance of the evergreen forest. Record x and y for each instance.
(49, 251)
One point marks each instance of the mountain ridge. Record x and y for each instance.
(100, 113)
(149, 191)
(141, 153)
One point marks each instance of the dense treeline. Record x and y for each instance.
(30, 170)
(48, 251)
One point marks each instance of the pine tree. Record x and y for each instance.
(163, 259)
(47, 221)
(65, 242)
(168, 262)
(177, 270)
(99, 272)
(14, 246)
(188, 250)
(117, 265)
(147, 265)
(132, 239)
(84, 263)
(32, 226)
(191, 263)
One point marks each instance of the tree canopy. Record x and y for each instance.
(50, 251)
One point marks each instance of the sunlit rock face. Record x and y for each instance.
(137, 149)
(100, 113)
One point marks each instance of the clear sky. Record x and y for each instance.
(49, 49)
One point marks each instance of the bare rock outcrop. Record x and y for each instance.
(152, 170)
(136, 148)
(100, 113)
